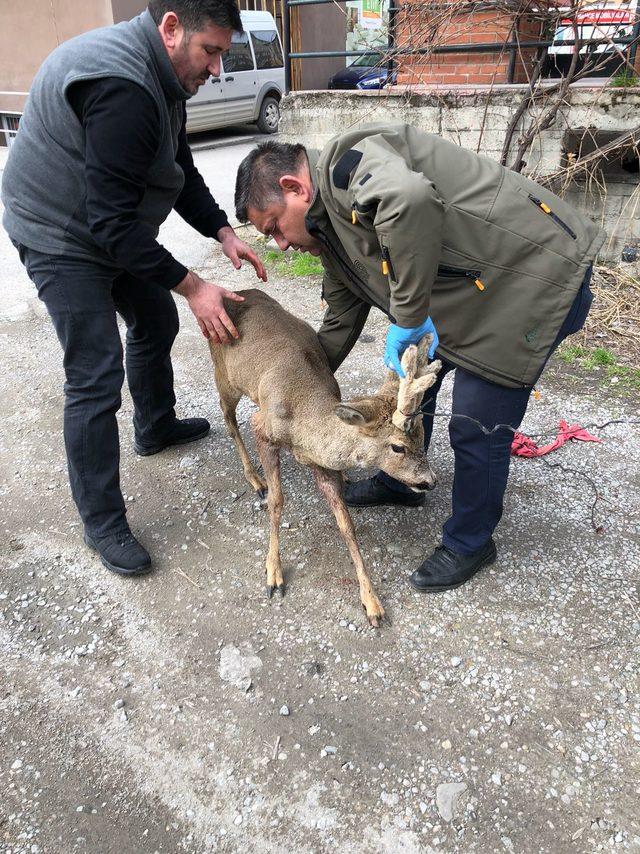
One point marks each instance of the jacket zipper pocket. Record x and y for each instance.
(547, 210)
(387, 266)
(447, 272)
(365, 210)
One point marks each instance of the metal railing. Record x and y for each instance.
(9, 131)
(390, 51)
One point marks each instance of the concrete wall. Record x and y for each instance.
(476, 118)
(31, 30)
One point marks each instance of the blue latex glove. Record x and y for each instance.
(398, 339)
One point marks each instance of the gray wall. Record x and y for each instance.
(476, 118)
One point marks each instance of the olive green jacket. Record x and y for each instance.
(417, 226)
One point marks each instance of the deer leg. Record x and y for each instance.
(270, 459)
(228, 405)
(330, 485)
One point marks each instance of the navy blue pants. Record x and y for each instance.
(482, 461)
(82, 299)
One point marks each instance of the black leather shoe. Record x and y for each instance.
(372, 492)
(446, 569)
(182, 431)
(120, 552)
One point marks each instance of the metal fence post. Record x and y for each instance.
(286, 38)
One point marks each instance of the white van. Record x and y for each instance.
(251, 81)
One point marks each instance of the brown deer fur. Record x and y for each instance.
(279, 363)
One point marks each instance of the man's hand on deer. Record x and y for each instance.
(399, 338)
(236, 249)
(206, 301)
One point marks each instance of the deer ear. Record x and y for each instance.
(359, 412)
(349, 414)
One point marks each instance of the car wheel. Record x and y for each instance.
(269, 116)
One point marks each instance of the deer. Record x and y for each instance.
(278, 362)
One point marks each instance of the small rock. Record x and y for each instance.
(17, 765)
(119, 704)
(284, 711)
(188, 462)
(456, 661)
(330, 749)
(496, 778)
(237, 668)
(446, 744)
(447, 796)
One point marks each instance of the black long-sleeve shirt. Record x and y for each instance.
(122, 130)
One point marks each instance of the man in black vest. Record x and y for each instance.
(100, 160)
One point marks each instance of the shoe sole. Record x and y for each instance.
(440, 588)
(149, 452)
(119, 570)
(386, 503)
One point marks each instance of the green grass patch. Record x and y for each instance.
(604, 361)
(295, 264)
(600, 358)
(571, 353)
(625, 79)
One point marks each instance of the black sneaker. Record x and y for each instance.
(372, 493)
(446, 569)
(120, 552)
(181, 432)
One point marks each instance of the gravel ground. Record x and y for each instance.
(184, 712)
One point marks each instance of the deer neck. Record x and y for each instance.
(327, 441)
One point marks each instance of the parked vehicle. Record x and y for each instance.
(251, 81)
(367, 72)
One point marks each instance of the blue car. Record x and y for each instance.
(367, 72)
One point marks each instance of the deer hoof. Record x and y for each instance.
(270, 590)
(374, 622)
(281, 590)
(262, 493)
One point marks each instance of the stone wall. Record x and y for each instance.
(476, 118)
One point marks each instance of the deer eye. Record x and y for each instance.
(399, 449)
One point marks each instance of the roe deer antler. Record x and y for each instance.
(420, 375)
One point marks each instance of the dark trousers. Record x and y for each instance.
(82, 299)
(482, 461)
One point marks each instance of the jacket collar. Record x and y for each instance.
(160, 58)
(316, 213)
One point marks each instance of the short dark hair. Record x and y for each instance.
(259, 173)
(195, 15)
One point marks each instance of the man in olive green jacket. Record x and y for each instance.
(443, 241)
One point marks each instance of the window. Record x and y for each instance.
(267, 49)
(369, 61)
(238, 57)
